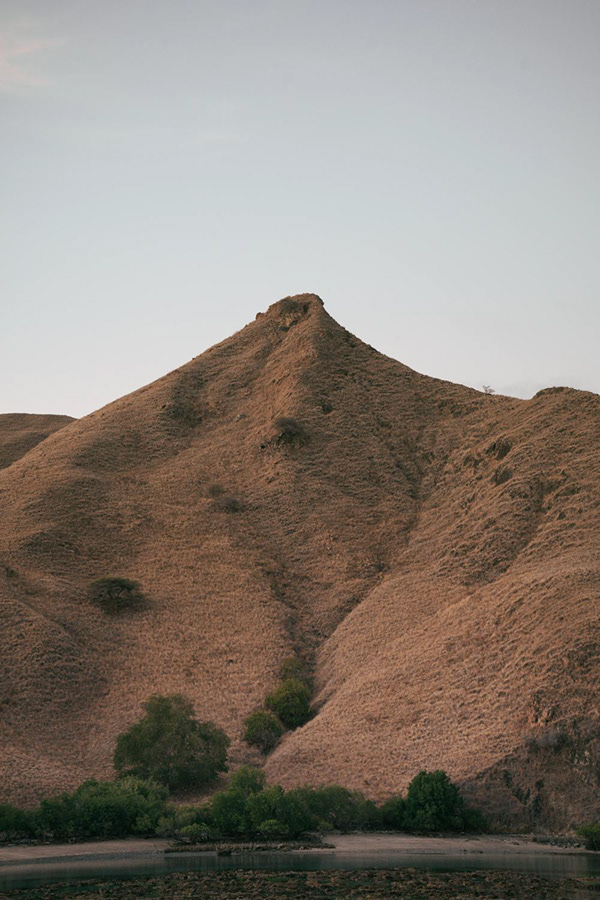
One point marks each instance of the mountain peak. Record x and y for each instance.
(292, 490)
(295, 303)
(293, 308)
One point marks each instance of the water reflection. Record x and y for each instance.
(550, 865)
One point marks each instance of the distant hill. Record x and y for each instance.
(20, 432)
(433, 550)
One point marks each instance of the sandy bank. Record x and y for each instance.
(345, 844)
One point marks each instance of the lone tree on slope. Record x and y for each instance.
(169, 745)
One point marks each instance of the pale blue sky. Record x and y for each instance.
(430, 168)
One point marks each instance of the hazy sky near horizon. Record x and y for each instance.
(430, 168)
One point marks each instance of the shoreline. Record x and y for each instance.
(22, 856)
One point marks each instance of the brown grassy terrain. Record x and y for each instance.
(19, 432)
(434, 551)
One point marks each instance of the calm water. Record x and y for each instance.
(559, 865)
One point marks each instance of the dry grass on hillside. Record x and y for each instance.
(20, 432)
(433, 550)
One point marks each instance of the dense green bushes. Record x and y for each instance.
(335, 808)
(290, 702)
(247, 808)
(250, 808)
(433, 803)
(100, 809)
(591, 835)
(288, 707)
(97, 809)
(170, 746)
(393, 813)
(15, 823)
(263, 730)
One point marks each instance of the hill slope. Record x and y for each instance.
(19, 432)
(432, 549)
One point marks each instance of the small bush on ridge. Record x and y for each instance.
(116, 595)
(290, 701)
(298, 669)
(290, 431)
(263, 730)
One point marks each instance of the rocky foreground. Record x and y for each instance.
(369, 884)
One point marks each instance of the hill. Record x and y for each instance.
(20, 432)
(432, 550)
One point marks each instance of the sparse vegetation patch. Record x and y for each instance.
(297, 668)
(223, 500)
(290, 432)
(116, 595)
(499, 448)
(545, 739)
(501, 475)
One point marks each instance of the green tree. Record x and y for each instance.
(263, 730)
(229, 814)
(393, 813)
(433, 803)
(170, 746)
(273, 811)
(290, 702)
(248, 780)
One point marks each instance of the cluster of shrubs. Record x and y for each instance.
(287, 707)
(247, 808)
(97, 809)
(251, 808)
(591, 835)
(168, 750)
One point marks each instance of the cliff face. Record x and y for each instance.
(433, 550)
